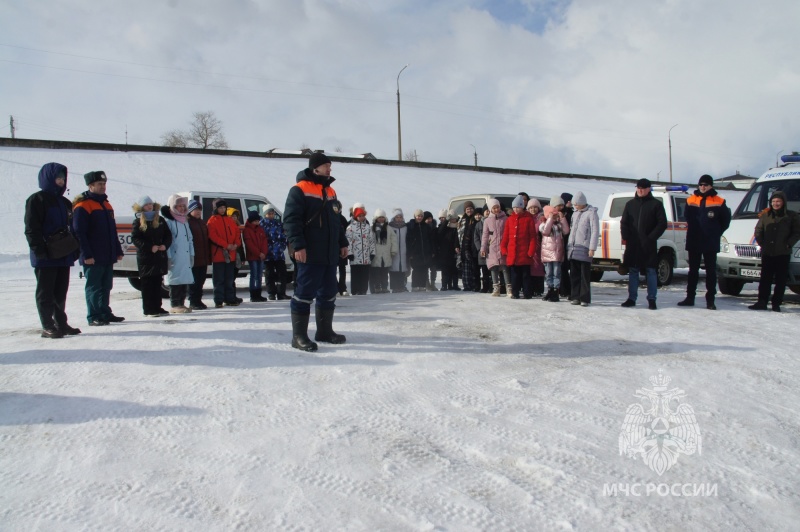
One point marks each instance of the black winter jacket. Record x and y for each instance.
(643, 221)
(420, 240)
(47, 212)
(151, 264)
(707, 216)
(311, 219)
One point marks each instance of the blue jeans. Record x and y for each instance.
(552, 274)
(256, 271)
(315, 281)
(633, 283)
(99, 281)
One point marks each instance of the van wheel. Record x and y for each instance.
(730, 287)
(596, 276)
(664, 268)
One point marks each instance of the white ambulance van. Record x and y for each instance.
(739, 259)
(671, 246)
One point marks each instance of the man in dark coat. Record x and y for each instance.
(777, 231)
(420, 243)
(708, 217)
(48, 212)
(643, 221)
(313, 228)
(96, 228)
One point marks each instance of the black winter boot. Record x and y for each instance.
(300, 339)
(256, 297)
(325, 331)
(689, 302)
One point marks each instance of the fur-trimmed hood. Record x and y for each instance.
(137, 209)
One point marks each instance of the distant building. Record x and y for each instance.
(735, 181)
(305, 152)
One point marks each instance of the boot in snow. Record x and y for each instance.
(325, 331)
(300, 339)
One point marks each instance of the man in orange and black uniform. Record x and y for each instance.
(708, 216)
(312, 226)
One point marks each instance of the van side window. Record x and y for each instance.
(617, 206)
(680, 209)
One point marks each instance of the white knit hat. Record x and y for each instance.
(397, 211)
(378, 214)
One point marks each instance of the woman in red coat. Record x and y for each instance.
(520, 240)
(255, 244)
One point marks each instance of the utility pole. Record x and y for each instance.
(399, 137)
(669, 135)
(475, 153)
(126, 134)
(13, 129)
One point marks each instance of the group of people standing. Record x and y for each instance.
(532, 251)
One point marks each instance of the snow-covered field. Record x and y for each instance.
(444, 411)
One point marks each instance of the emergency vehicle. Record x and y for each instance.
(671, 245)
(739, 259)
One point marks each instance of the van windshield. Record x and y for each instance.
(757, 198)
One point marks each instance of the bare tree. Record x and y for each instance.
(205, 131)
(411, 155)
(174, 139)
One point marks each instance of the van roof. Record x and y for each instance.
(217, 194)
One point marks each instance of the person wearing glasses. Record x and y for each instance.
(707, 216)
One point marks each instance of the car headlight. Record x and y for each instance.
(723, 244)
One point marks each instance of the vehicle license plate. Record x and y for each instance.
(750, 273)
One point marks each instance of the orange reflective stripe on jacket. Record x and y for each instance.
(314, 190)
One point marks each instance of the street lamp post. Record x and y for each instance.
(777, 155)
(669, 136)
(399, 137)
(475, 153)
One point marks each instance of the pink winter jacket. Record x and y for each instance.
(493, 227)
(553, 237)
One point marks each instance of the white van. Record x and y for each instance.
(479, 200)
(671, 245)
(739, 259)
(244, 203)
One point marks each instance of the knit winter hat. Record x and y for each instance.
(268, 208)
(468, 203)
(397, 212)
(175, 200)
(253, 216)
(451, 215)
(519, 202)
(555, 201)
(194, 205)
(533, 202)
(567, 197)
(379, 213)
(579, 199)
(318, 159)
(706, 179)
(426, 215)
(92, 177)
(358, 211)
(217, 203)
(492, 202)
(418, 212)
(442, 213)
(144, 200)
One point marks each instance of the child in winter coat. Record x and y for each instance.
(553, 229)
(180, 253)
(399, 268)
(151, 237)
(582, 243)
(482, 275)
(447, 251)
(361, 243)
(491, 236)
(428, 219)
(275, 265)
(225, 240)
(519, 245)
(385, 250)
(537, 268)
(255, 243)
(202, 255)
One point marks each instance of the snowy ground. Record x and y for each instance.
(444, 411)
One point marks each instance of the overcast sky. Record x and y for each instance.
(588, 86)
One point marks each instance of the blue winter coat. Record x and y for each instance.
(276, 238)
(46, 213)
(94, 224)
(180, 254)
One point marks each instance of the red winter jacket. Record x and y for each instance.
(255, 241)
(223, 231)
(520, 239)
